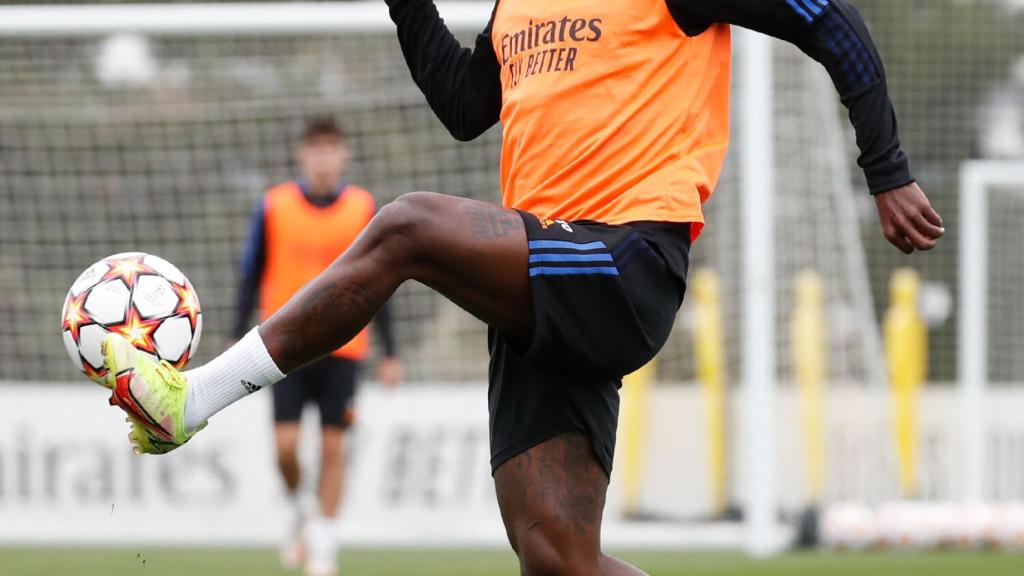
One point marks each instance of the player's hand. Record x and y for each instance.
(389, 372)
(908, 220)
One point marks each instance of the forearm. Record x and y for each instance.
(462, 86)
(833, 33)
(871, 111)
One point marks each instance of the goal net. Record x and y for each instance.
(157, 128)
(164, 141)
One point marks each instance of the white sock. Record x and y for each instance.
(323, 539)
(296, 512)
(241, 370)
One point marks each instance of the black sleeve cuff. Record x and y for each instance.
(893, 173)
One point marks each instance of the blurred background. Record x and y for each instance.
(131, 126)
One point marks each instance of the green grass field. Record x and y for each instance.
(260, 562)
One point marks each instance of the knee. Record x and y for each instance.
(287, 456)
(541, 554)
(331, 460)
(406, 221)
(332, 452)
(538, 556)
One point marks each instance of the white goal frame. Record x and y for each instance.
(762, 535)
(976, 179)
(241, 18)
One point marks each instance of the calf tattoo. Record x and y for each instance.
(324, 315)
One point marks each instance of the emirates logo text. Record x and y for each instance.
(540, 47)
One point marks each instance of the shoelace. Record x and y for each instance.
(169, 374)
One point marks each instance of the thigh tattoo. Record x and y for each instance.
(488, 223)
(559, 479)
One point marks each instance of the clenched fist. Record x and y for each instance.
(908, 220)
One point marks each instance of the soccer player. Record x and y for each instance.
(297, 230)
(615, 117)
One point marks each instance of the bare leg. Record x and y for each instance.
(472, 252)
(475, 254)
(551, 498)
(332, 469)
(287, 442)
(287, 437)
(322, 539)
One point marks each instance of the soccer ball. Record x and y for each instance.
(976, 525)
(1010, 528)
(142, 297)
(849, 527)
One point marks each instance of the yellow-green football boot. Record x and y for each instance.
(151, 392)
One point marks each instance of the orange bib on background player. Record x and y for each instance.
(302, 240)
(610, 112)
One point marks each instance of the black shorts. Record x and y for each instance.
(329, 382)
(605, 300)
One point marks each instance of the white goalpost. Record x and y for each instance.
(757, 181)
(978, 181)
(235, 18)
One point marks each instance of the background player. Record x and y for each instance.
(615, 122)
(297, 230)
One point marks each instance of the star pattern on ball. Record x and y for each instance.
(127, 268)
(138, 331)
(75, 317)
(188, 303)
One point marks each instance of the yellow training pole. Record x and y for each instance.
(906, 345)
(709, 344)
(810, 361)
(636, 390)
